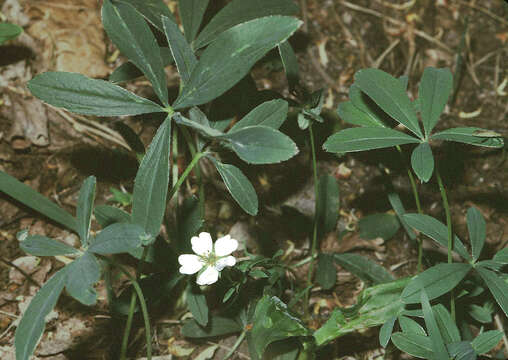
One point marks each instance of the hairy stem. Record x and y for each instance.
(192, 149)
(186, 173)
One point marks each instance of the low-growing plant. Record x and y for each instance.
(214, 62)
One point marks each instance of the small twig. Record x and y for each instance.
(379, 60)
(401, 7)
(485, 11)
(28, 277)
(500, 327)
(303, 6)
(240, 354)
(321, 71)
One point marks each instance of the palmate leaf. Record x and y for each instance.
(191, 12)
(85, 207)
(133, 37)
(228, 59)
(397, 205)
(501, 256)
(437, 231)
(364, 268)
(32, 323)
(436, 338)
(239, 187)
(326, 273)
(270, 113)
(152, 10)
(240, 11)
(390, 95)
(436, 281)
(477, 231)
(151, 183)
(446, 324)
(83, 95)
(118, 238)
(422, 161)
(413, 344)
(435, 89)
(196, 301)
(202, 127)
(182, 52)
(107, 215)
(261, 145)
(39, 245)
(467, 135)
(408, 325)
(31, 198)
(370, 115)
(366, 138)
(386, 331)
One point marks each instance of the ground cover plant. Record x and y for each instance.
(157, 238)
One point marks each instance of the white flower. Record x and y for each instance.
(210, 259)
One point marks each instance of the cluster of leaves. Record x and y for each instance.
(213, 61)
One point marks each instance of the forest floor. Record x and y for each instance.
(53, 151)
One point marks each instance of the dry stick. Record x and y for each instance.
(419, 33)
(485, 11)
(28, 277)
(321, 71)
(500, 327)
(376, 64)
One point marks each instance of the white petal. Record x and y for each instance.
(225, 261)
(203, 244)
(208, 277)
(191, 264)
(225, 246)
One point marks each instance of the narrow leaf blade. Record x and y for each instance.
(328, 203)
(435, 89)
(83, 95)
(191, 12)
(486, 341)
(118, 238)
(39, 245)
(497, 287)
(389, 94)
(151, 183)
(290, 63)
(415, 345)
(326, 273)
(422, 161)
(270, 113)
(466, 135)
(366, 138)
(85, 207)
(82, 274)
(9, 32)
(133, 37)
(364, 268)
(477, 231)
(152, 10)
(436, 338)
(196, 301)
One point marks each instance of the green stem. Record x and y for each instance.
(236, 345)
(314, 232)
(142, 302)
(201, 194)
(416, 196)
(186, 173)
(446, 206)
(132, 307)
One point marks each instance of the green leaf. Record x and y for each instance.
(196, 301)
(435, 88)
(151, 183)
(290, 63)
(39, 245)
(389, 94)
(422, 161)
(189, 222)
(436, 281)
(270, 113)
(482, 314)
(486, 341)
(378, 225)
(437, 231)
(466, 135)
(152, 10)
(326, 273)
(272, 322)
(203, 129)
(415, 345)
(240, 11)
(397, 205)
(238, 186)
(85, 207)
(118, 238)
(501, 256)
(377, 305)
(352, 115)
(31, 326)
(133, 37)
(128, 71)
(498, 288)
(461, 350)
(31, 198)
(408, 325)
(231, 56)
(370, 114)
(438, 345)
(446, 325)
(364, 268)
(191, 13)
(9, 32)
(181, 50)
(261, 145)
(107, 215)
(328, 202)
(366, 138)
(386, 332)
(83, 95)
(217, 326)
(477, 231)
(82, 275)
